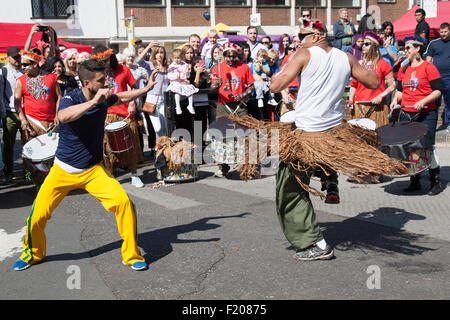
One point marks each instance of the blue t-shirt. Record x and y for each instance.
(385, 54)
(440, 52)
(81, 141)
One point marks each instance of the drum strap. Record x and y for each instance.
(411, 119)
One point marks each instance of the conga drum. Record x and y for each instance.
(408, 142)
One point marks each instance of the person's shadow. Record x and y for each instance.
(361, 233)
(156, 243)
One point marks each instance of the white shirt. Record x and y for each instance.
(322, 83)
(254, 49)
(12, 76)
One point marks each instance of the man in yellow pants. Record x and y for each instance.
(78, 164)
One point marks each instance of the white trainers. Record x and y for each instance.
(178, 110)
(191, 109)
(136, 181)
(260, 103)
(273, 102)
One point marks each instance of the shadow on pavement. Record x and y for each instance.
(156, 243)
(359, 233)
(17, 198)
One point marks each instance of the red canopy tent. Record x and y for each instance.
(16, 34)
(406, 24)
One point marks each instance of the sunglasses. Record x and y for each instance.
(302, 36)
(367, 44)
(26, 64)
(408, 47)
(265, 42)
(290, 49)
(306, 16)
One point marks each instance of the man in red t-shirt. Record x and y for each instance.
(118, 79)
(36, 97)
(234, 82)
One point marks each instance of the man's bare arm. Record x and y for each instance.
(290, 70)
(369, 79)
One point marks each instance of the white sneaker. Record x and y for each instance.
(178, 110)
(448, 129)
(136, 181)
(191, 109)
(273, 102)
(260, 103)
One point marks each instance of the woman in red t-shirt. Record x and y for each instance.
(419, 85)
(362, 99)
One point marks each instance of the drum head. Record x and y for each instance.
(288, 116)
(114, 126)
(40, 148)
(401, 132)
(364, 122)
(226, 127)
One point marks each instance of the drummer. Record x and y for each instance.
(36, 97)
(78, 164)
(234, 81)
(361, 99)
(419, 86)
(118, 78)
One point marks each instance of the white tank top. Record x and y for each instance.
(322, 83)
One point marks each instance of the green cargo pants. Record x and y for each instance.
(294, 208)
(11, 124)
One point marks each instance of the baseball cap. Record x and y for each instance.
(13, 51)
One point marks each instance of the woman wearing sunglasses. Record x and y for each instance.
(419, 85)
(368, 103)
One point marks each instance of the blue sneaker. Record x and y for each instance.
(20, 265)
(138, 266)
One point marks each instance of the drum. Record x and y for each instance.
(364, 122)
(408, 142)
(227, 141)
(119, 137)
(38, 155)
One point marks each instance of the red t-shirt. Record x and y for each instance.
(416, 85)
(122, 79)
(294, 83)
(39, 96)
(382, 68)
(236, 78)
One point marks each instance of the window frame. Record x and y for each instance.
(53, 17)
(288, 5)
(345, 6)
(248, 5)
(206, 5)
(387, 1)
(299, 6)
(144, 5)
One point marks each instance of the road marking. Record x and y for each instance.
(11, 244)
(161, 198)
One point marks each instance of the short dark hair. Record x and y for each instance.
(252, 27)
(444, 25)
(420, 10)
(89, 68)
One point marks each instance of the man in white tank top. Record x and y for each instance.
(322, 72)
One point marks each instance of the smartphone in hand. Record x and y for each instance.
(42, 28)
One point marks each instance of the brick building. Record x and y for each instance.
(171, 21)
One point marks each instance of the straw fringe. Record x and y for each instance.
(347, 148)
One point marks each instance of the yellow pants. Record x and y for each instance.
(101, 185)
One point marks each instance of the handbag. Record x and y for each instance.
(151, 107)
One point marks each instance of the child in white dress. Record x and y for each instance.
(178, 75)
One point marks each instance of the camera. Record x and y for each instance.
(42, 28)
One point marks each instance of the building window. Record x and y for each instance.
(273, 2)
(345, 3)
(241, 3)
(51, 9)
(149, 3)
(310, 3)
(190, 2)
(387, 1)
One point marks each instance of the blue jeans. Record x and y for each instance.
(446, 95)
(429, 118)
(346, 48)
